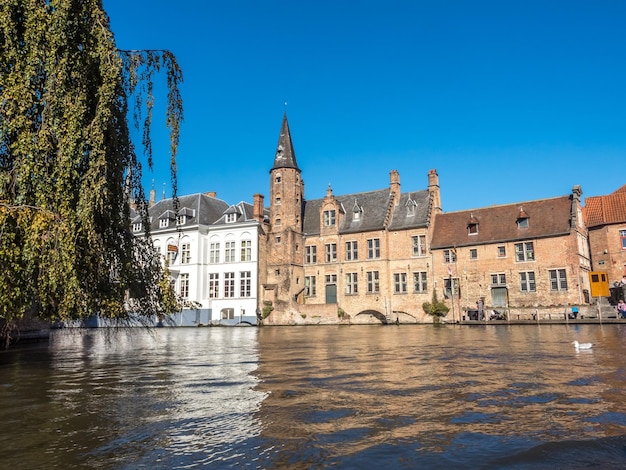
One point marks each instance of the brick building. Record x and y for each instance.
(605, 217)
(360, 257)
(516, 258)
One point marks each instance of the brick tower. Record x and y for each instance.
(285, 272)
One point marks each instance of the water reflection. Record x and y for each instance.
(316, 397)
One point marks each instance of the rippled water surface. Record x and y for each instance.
(344, 397)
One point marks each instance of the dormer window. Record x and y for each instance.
(410, 207)
(472, 225)
(356, 211)
(163, 223)
(137, 227)
(330, 218)
(522, 218)
(231, 217)
(181, 220)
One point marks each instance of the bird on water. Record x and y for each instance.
(578, 345)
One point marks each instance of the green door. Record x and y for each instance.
(331, 293)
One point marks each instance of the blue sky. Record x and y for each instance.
(509, 100)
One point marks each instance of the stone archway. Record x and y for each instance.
(372, 313)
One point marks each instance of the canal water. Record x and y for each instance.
(344, 397)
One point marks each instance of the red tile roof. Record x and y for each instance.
(605, 210)
(546, 217)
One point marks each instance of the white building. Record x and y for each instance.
(212, 252)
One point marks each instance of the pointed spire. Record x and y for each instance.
(285, 156)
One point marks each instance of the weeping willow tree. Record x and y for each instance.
(68, 167)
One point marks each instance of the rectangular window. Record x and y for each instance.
(498, 279)
(419, 245)
(473, 253)
(164, 223)
(351, 283)
(399, 283)
(245, 283)
(527, 281)
(373, 284)
(501, 251)
(171, 255)
(184, 285)
(351, 251)
(373, 248)
(309, 286)
(214, 285)
(331, 252)
(229, 252)
(230, 218)
(214, 253)
(558, 279)
(472, 229)
(229, 285)
(185, 253)
(524, 251)
(329, 218)
(310, 254)
(246, 250)
(331, 279)
(420, 283)
(181, 220)
(451, 287)
(137, 227)
(449, 256)
(622, 236)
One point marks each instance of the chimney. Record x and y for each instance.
(257, 210)
(212, 194)
(433, 190)
(152, 201)
(394, 185)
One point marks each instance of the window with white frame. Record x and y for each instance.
(137, 227)
(331, 252)
(309, 286)
(229, 252)
(163, 223)
(373, 248)
(228, 313)
(524, 251)
(473, 253)
(622, 236)
(351, 283)
(184, 285)
(501, 251)
(185, 253)
(245, 283)
(231, 217)
(351, 251)
(214, 253)
(214, 285)
(229, 285)
(527, 281)
(558, 279)
(373, 282)
(329, 218)
(419, 245)
(181, 220)
(331, 279)
(246, 250)
(399, 283)
(420, 282)
(449, 256)
(451, 287)
(310, 254)
(498, 279)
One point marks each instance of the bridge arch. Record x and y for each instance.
(374, 313)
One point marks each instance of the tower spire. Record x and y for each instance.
(285, 156)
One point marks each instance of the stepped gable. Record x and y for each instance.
(546, 218)
(604, 210)
(373, 208)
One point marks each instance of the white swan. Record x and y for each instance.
(578, 345)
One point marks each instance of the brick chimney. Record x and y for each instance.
(212, 194)
(257, 210)
(394, 186)
(433, 190)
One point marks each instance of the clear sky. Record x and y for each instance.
(509, 100)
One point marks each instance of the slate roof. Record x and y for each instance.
(199, 209)
(374, 206)
(243, 210)
(546, 218)
(285, 156)
(605, 210)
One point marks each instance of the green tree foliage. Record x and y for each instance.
(436, 309)
(68, 168)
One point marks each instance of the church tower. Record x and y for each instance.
(285, 271)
